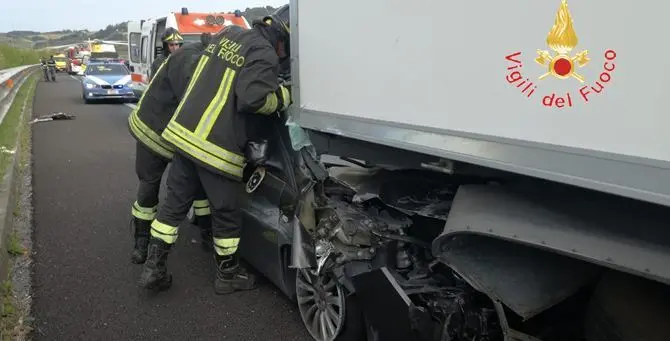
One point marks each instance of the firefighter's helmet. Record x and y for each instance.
(171, 36)
(279, 22)
(278, 29)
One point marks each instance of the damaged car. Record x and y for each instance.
(356, 248)
(366, 255)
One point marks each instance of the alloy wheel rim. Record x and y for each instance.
(321, 303)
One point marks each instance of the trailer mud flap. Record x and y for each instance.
(525, 279)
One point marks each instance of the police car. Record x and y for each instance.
(105, 80)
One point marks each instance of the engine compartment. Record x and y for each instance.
(357, 235)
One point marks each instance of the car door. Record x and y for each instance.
(266, 233)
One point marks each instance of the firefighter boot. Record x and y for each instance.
(154, 274)
(204, 223)
(231, 276)
(141, 233)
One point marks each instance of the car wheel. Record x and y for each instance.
(327, 311)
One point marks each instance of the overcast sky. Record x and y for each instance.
(53, 15)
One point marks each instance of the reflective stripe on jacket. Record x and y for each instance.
(236, 76)
(161, 98)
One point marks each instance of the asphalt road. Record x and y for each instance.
(84, 284)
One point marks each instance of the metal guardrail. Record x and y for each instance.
(10, 80)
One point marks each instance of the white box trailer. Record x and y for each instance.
(462, 80)
(563, 101)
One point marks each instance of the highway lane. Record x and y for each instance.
(85, 285)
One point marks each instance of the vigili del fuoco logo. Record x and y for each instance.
(563, 64)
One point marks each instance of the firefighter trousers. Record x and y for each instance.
(150, 168)
(225, 199)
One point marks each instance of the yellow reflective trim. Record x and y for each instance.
(144, 213)
(144, 216)
(226, 246)
(145, 209)
(149, 137)
(205, 156)
(227, 242)
(205, 145)
(270, 105)
(143, 132)
(201, 203)
(164, 232)
(196, 75)
(286, 97)
(173, 36)
(201, 207)
(216, 105)
(202, 211)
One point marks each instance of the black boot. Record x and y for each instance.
(204, 223)
(231, 276)
(141, 233)
(154, 274)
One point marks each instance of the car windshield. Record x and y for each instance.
(107, 69)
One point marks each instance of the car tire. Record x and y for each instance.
(628, 308)
(347, 320)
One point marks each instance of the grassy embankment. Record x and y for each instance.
(11, 56)
(13, 324)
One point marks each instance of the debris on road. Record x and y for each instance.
(53, 117)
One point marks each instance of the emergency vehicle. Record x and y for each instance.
(103, 50)
(144, 37)
(73, 59)
(83, 60)
(99, 50)
(71, 51)
(61, 62)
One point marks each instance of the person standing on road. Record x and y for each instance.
(235, 80)
(172, 40)
(153, 153)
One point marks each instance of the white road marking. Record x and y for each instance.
(130, 105)
(75, 78)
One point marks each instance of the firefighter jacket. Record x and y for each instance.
(235, 79)
(156, 64)
(160, 99)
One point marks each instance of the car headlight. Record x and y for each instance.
(90, 86)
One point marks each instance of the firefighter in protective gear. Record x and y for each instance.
(172, 40)
(153, 153)
(235, 80)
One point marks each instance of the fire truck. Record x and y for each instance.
(144, 37)
(71, 52)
